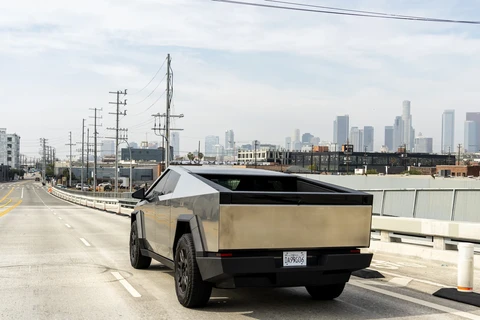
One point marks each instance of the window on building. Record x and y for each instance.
(9, 152)
(9, 158)
(9, 139)
(9, 145)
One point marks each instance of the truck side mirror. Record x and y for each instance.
(139, 194)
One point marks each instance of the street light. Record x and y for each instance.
(130, 151)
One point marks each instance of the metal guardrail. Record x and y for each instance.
(116, 195)
(120, 206)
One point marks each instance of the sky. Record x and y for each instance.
(260, 72)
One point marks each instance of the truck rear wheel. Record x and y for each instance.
(191, 290)
(326, 292)
(136, 259)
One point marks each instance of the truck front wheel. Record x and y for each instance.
(191, 290)
(137, 260)
(326, 292)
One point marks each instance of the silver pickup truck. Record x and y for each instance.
(235, 227)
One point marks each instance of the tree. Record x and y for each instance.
(190, 156)
(200, 156)
(66, 173)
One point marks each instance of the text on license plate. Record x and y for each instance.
(294, 258)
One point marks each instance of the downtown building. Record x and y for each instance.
(448, 131)
(341, 127)
(9, 149)
(175, 143)
(472, 132)
(356, 139)
(423, 144)
(388, 142)
(210, 143)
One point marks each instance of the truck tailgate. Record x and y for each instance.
(294, 226)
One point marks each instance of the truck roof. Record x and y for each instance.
(230, 171)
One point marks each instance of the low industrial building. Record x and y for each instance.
(458, 171)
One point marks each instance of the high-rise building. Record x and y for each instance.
(288, 143)
(316, 141)
(356, 138)
(470, 137)
(423, 144)
(307, 138)
(296, 142)
(475, 117)
(9, 149)
(108, 148)
(448, 131)
(341, 127)
(175, 138)
(389, 138)
(368, 138)
(397, 133)
(408, 133)
(210, 143)
(229, 139)
(218, 152)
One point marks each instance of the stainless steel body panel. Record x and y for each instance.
(290, 227)
(162, 225)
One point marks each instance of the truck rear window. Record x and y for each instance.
(264, 183)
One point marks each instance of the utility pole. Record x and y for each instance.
(311, 161)
(83, 151)
(88, 152)
(70, 164)
(198, 153)
(167, 114)
(95, 134)
(255, 153)
(44, 158)
(118, 114)
(459, 147)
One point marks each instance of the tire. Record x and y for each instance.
(136, 259)
(326, 292)
(192, 291)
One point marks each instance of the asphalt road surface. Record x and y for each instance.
(62, 261)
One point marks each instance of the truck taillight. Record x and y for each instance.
(224, 255)
(355, 251)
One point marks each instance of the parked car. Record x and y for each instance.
(61, 186)
(78, 186)
(87, 187)
(232, 227)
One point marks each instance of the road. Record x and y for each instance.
(62, 261)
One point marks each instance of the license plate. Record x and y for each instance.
(294, 258)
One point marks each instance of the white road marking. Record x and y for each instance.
(414, 279)
(85, 242)
(126, 285)
(54, 213)
(400, 281)
(21, 197)
(416, 301)
(68, 226)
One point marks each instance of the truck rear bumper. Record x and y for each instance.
(268, 271)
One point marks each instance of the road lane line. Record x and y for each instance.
(126, 285)
(85, 242)
(22, 194)
(6, 203)
(5, 197)
(427, 304)
(11, 208)
(60, 218)
(68, 226)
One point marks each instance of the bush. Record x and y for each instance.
(372, 171)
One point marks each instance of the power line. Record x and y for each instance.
(156, 73)
(134, 104)
(347, 13)
(347, 10)
(136, 114)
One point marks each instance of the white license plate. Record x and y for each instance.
(294, 258)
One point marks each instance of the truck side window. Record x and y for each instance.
(158, 189)
(171, 182)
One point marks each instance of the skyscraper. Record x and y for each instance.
(175, 143)
(423, 144)
(229, 139)
(397, 133)
(340, 132)
(108, 148)
(475, 117)
(389, 138)
(356, 138)
(296, 143)
(288, 143)
(470, 137)
(368, 138)
(408, 134)
(448, 131)
(307, 138)
(210, 143)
